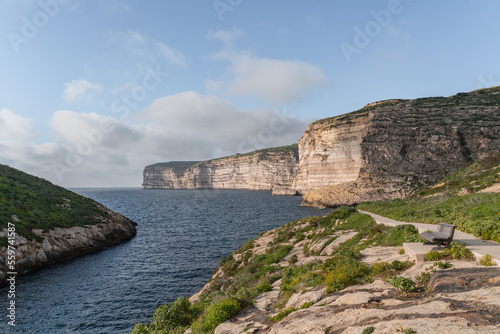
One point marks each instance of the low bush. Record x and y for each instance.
(369, 330)
(347, 270)
(457, 251)
(406, 285)
(263, 287)
(282, 314)
(487, 260)
(216, 314)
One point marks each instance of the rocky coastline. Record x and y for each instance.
(61, 244)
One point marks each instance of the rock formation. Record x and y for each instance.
(385, 150)
(390, 148)
(270, 169)
(64, 243)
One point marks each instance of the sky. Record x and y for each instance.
(92, 91)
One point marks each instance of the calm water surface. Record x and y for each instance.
(182, 235)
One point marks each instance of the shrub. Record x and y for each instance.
(306, 305)
(369, 330)
(433, 255)
(347, 271)
(282, 314)
(294, 259)
(458, 250)
(487, 260)
(443, 265)
(406, 285)
(263, 287)
(140, 329)
(385, 269)
(402, 251)
(216, 314)
(176, 314)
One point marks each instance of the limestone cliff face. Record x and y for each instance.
(64, 243)
(261, 170)
(389, 148)
(330, 152)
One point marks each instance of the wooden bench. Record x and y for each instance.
(443, 234)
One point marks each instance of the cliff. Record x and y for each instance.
(386, 150)
(43, 223)
(268, 169)
(390, 148)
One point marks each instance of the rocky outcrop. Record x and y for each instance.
(271, 169)
(64, 243)
(462, 299)
(388, 149)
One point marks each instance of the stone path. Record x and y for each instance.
(476, 245)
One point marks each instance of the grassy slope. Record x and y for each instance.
(454, 200)
(39, 204)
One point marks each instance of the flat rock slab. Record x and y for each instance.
(459, 280)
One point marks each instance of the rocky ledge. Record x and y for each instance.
(64, 243)
(462, 299)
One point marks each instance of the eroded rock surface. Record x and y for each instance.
(64, 243)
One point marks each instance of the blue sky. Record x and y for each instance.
(92, 91)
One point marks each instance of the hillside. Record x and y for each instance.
(52, 223)
(343, 273)
(469, 199)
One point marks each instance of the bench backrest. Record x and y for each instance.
(446, 229)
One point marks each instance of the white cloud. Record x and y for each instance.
(225, 36)
(196, 126)
(277, 81)
(172, 55)
(148, 49)
(81, 90)
(98, 150)
(15, 127)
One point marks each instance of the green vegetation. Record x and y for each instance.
(457, 251)
(406, 330)
(475, 213)
(404, 284)
(369, 330)
(216, 314)
(487, 260)
(282, 314)
(38, 204)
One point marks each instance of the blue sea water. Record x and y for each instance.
(182, 235)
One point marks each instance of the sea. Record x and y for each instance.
(181, 237)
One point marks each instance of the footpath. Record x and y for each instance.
(476, 245)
